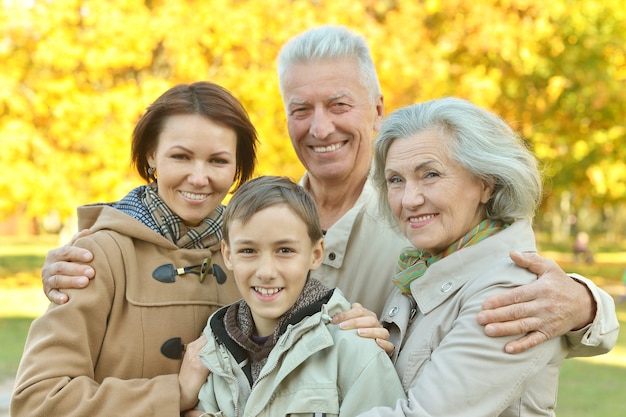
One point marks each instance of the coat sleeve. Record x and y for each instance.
(56, 376)
(374, 384)
(206, 398)
(601, 335)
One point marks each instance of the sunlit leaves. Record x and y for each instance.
(76, 75)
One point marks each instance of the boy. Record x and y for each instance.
(274, 352)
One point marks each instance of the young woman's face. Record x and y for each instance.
(435, 200)
(270, 256)
(195, 162)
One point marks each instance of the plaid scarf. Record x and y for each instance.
(413, 263)
(144, 204)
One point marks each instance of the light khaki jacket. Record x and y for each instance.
(447, 364)
(100, 353)
(315, 369)
(361, 252)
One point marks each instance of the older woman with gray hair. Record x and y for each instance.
(463, 188)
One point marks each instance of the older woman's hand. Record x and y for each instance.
(367, 325)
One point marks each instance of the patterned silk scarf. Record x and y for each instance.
(171, 226)
(413, 263)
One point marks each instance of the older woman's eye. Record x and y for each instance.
(394, 180)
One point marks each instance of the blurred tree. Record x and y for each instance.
(78, 73)
(556, 71)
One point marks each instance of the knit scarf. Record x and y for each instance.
(240, 325)
(172, 227)
(413, 263)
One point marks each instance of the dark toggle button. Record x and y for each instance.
(168, 273)
(173, 348)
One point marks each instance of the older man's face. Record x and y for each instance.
(331, 118)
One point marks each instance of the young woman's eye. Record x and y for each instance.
(285, 250)
(219, 161)
(179, 156)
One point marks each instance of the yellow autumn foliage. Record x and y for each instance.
(76, 75)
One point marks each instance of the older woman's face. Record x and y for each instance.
(435, 200)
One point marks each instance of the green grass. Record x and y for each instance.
(21, 294)
(588, 387)
(13, 331)
(23, 255)
(595, 386)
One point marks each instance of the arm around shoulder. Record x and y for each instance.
(64, 269)
(600, 335)
(376, 384)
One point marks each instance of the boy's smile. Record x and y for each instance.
(270, 256)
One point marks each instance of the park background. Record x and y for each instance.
(76, 75)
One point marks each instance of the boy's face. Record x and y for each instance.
(270, 256)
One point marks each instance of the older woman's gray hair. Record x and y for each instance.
(483, 143)
(326, 43)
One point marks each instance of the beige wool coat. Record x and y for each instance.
(100, 353)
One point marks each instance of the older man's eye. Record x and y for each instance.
(299, 112)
